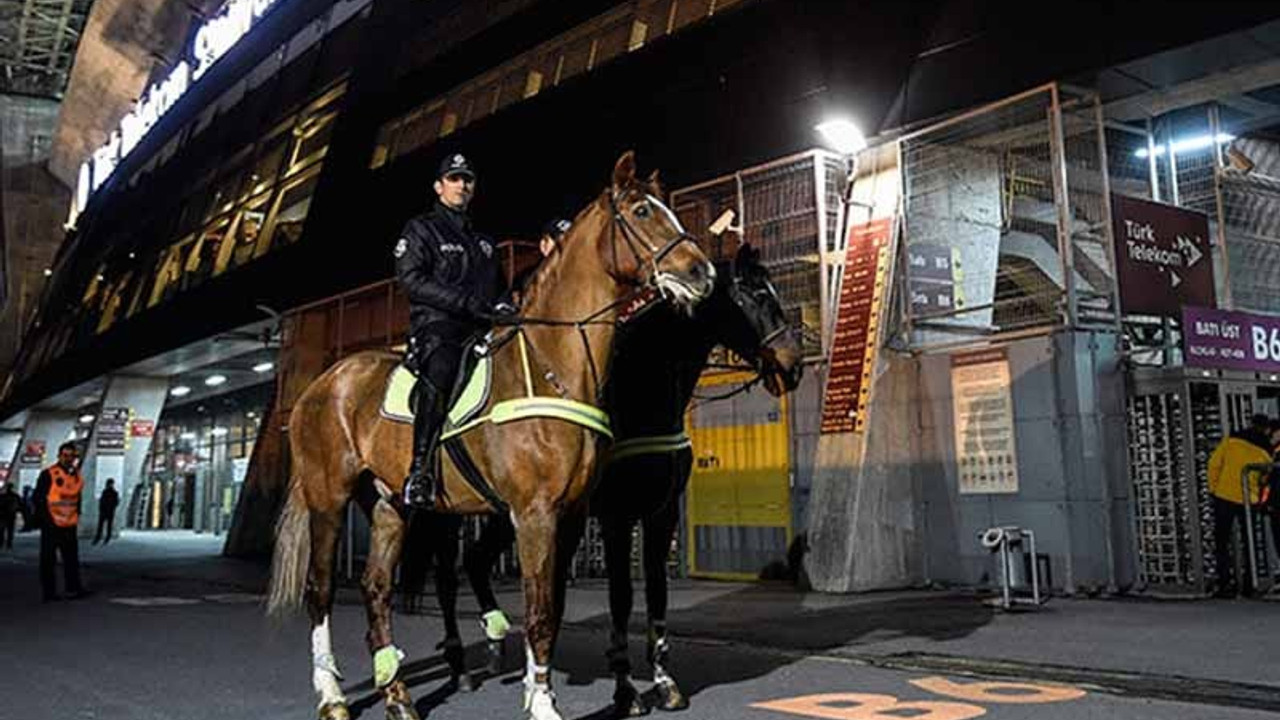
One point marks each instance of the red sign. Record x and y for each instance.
(1163, 257)
(142, 428)
(33, 453)
(857, 332)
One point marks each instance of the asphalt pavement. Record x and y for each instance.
(175, 631)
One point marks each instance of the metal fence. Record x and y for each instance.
(788, 210)
(1007, 220)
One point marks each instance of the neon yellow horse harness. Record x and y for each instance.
(464, 414)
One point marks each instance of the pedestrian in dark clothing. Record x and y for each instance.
(57, 511)
(107, 504)
(27, 508)
(9, 502)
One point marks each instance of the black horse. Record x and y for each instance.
(657, 361)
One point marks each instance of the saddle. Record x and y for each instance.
(464, 413)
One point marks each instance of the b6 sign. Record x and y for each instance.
(1227, 340)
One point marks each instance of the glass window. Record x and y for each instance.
(114, 301)
(284, 227)
(169, 272)
(313, 140)
(266, 167)
(203, 255)
(245, 233)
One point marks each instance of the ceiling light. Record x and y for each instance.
(215, 380)
(218, 431)
(48, 272)
(1199, 142)
(251, 414)
(842, 135)
(86, 418)
(180, 391)
(188, 436)
(263, 367)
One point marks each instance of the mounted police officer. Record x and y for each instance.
(452, 276)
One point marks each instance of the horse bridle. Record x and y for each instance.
(736, 293)
(632, 238)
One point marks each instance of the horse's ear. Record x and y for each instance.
(655, 184)
(624, 171)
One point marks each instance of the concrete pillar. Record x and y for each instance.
(43, 432)
(121, 439)
(9, 439)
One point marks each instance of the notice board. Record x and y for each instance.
(986, 446)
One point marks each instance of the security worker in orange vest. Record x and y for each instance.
(57, 500)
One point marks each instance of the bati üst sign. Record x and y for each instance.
(212, 41)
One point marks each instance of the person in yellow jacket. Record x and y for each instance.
(57, 500)
(1226, 465)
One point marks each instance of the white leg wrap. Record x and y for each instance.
(539, 700)
(324, 667)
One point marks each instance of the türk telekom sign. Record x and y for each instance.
(1228, 340)
(1163, 257)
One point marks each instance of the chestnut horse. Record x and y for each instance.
(343, 449)
(659, 358)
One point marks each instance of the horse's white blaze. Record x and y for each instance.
(324, 667)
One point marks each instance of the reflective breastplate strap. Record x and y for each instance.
(650, 445)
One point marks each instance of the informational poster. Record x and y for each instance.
(111, 430)
(857, 333)
(986, 446)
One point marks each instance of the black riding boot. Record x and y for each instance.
(421, 488)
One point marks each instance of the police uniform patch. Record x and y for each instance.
(487, 248)
(402, 247)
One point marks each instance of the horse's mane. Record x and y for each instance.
(548, 268)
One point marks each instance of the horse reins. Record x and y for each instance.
(632, 238)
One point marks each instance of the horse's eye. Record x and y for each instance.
(642, 210)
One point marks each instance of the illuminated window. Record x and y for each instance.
(169, 272)
(245, 234)
(114, 301)
(203, 255)
(289, 215)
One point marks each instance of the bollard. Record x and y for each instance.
(1264, 472)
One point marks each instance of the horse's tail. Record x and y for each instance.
(290, 566)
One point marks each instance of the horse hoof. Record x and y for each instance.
(670, 699)
(335, 711)
(629, 708)
(627, 702)
(542, 706)
(398, 711)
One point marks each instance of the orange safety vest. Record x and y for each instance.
(64, 497)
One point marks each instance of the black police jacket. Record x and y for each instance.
(450, 273)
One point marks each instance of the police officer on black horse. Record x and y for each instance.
(452, 277)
